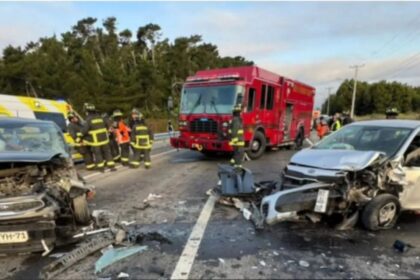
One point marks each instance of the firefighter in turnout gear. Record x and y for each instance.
(75, 128)
(113, 145)
(391, 113)
(141, 141)
(236, 132)
(95, 134)
(122, 135)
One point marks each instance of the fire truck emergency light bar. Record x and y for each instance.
(212, 78)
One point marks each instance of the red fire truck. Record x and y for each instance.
(277, 111)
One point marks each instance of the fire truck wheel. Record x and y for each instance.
(257, 146)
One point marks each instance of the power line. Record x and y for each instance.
(406, 62)
(396, 35)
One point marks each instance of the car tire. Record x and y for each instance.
(257, 146)
(381, 212)
(81, 209)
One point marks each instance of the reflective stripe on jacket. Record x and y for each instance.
(236, 132)
(141, 137)
(336, 125)
(95, 131)
(75, 131)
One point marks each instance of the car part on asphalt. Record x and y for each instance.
(83, 250)
(116, 254)
(235, 181)
(401, 246)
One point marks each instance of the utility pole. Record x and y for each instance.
(353, 100)
(328, 100)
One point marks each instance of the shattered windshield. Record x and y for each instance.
(366, 138)
(31, 138)
(211, 100)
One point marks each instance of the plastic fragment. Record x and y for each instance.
(113, 255)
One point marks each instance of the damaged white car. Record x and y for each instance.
(367, 171)
(42, 199)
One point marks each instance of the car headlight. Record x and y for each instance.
(225, 124)
(183, 123)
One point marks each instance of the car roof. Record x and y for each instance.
(21, 120)
(413, 124)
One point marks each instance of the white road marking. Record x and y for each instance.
(120, 167)
(186, 260)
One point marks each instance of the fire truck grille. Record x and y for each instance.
(200, 125)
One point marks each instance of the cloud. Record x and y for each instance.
(21, 23)
(332, 71)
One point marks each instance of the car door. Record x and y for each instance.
(410, 197)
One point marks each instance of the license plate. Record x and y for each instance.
(322, 201)
(13, 237)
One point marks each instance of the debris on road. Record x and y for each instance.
(83, 250)
(303, 263)
(113, 255)
(263, 263)
(152, 197)
(401, 246)
(123, 275)
(142, 206)
(222, 261)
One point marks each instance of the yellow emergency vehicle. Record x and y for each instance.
(38, 108)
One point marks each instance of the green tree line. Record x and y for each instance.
(108, 67)
(374, 98)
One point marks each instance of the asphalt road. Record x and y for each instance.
(230, 247)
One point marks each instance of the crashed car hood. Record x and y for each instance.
(345, 160)
(26, 157)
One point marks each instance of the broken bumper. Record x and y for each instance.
(285, 205)
(26, 222)
(201, 144)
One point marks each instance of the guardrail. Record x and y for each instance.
(165, 135)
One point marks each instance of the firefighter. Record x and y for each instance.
(141, 141)
(336, 123)
(391, 113)
(113, 145)
(122, 135)
(134, 114)
(95, 133)
(75, 128)
(236, 132)
(322, 128)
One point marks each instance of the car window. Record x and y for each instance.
(412, 155)
(31, 138)
(366, 138)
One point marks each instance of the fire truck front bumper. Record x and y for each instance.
(201, 144)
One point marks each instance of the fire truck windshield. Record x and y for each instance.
(209, 100)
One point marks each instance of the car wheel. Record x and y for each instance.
(81, 209)
(257, 146)
(381, 212)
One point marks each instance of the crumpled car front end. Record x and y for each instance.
(317, 183)
(27, 223)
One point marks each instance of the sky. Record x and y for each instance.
(314, 42)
